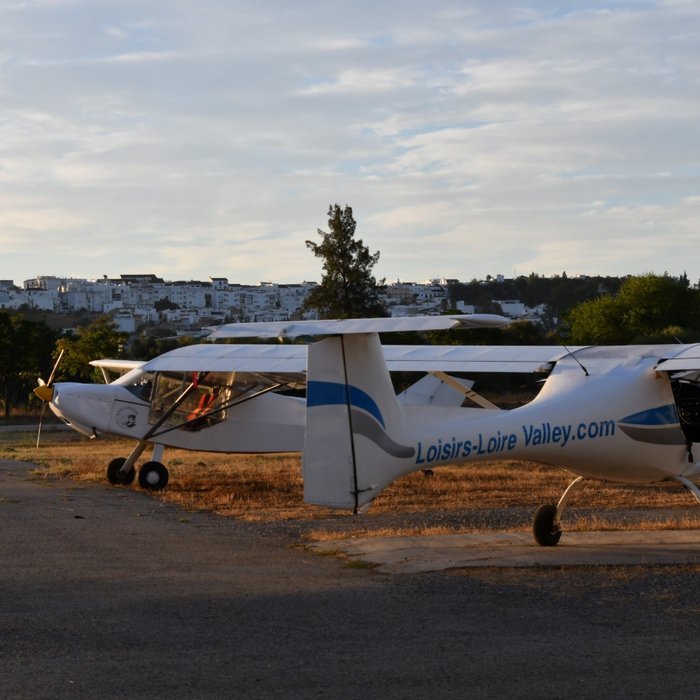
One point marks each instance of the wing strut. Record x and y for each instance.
(689, 485)
(472, 395)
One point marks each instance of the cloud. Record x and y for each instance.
(210, 139)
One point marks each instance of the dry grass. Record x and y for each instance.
(269, 487)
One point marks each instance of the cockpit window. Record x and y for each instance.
(142, 386)
(196, 400)
(190, 400)
(193, 401)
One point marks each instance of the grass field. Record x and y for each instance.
(269, 488)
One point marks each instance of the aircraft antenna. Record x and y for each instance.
(578, 362)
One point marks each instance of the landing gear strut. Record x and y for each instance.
(690, 486)
(153, 475)
(546, 523)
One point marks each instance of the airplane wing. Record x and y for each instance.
(121, 367)
(273, 359)
(474, 358)
(280, 359)
(291, 329)
(685, 360)
(118, 365)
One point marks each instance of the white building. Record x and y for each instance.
(131, 299)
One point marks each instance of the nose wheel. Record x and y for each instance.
(115, 474)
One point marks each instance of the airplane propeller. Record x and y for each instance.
(45, 392)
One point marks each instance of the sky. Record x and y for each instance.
(208, 139)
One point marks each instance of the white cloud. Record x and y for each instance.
(203, 139)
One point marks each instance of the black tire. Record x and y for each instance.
(546, 532)
(153, 476)
(113, 475)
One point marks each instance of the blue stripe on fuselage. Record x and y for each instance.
(333, 394)
(662, 415)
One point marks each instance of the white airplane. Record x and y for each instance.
(231, 398)
(624, 414)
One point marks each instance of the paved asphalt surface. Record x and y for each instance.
(107, 593)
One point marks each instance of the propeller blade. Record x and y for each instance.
(45, 392)
(55, 367)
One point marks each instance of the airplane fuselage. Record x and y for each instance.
(619, 424)
(268, 423)
(607, 414)
(613, 419)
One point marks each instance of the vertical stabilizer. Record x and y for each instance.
(351, 451)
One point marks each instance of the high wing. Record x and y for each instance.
(686, 360)
(474, 358)
(214, 357)
(121, 367)
(278, 359)
(231, 358)
(290, 329)
(118, 365)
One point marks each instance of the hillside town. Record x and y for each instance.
(135, 300)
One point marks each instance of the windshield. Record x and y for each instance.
(195, 400)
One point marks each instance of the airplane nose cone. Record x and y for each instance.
(44, 392)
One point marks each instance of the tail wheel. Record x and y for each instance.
(114, 475)
(153, 476)
(545, 527)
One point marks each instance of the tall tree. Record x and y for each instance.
(347, 289)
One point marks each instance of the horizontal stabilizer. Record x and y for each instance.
(291, 329)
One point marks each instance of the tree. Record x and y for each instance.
(596, 322)
(98, 340)
(347, 289)
(146, 347)
(647, 309)
(165, 305)
(25, 355)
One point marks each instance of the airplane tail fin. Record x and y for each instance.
(354, 446)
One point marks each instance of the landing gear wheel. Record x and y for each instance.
(153, 476)
(113, 475)
(544, 527)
